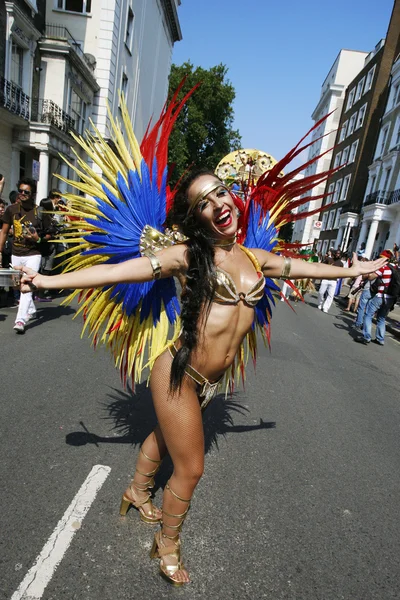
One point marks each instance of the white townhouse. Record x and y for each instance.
(346, 66)
(380, 211)
(70, 67)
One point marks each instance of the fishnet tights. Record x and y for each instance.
(180, 433)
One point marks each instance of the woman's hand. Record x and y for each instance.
(365, 267)
(30, 280)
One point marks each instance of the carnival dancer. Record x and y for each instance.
(131, 298)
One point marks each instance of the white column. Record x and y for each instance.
(43, 183)
(339, 237)
(371, 237)
(64, 173)
(363, 233)
(347, 232)
(15, 165)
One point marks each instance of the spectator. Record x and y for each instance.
(327, 287)
(396, 252)
(12, 196)
(28, 230)
(365, 296)
(53, 203)
(380, 303)
(7, 246)
(354, 294)
(2, 182)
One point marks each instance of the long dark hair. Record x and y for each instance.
(199, 290)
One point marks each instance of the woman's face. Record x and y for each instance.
(216, 209)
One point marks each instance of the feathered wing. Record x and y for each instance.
(124, 212)
(265, 211)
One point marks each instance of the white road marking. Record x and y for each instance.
(38, 577)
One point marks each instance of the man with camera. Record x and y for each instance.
(29, 232)
(53, 204)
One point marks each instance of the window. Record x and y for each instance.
(352, 123)
(359, 89)
(393, 95)
(373, 180)
(338, 187)
(124, 85)
(382, 141)
(77, 110)
(386, 181)
(396, 137)
(361, 115)
(337, 219)
(331, 219)
(78, 6)
(343, 131)
(397, 96)
(129, 30)
(17, 62)
(353, 151)
(331, 189)
(345, 187)
(324, 220)
(370, 77)
(337, 160)
(350, 99)
(345, 156)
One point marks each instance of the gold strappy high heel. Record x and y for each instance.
(150, 516)
(159, 549)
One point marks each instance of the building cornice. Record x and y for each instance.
(63, 49)
(334, 89)
(171, 16)
(16, 13)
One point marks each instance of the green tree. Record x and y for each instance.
(203, 133)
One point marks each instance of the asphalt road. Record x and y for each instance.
(300, 497)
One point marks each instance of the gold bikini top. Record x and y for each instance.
(226, 291)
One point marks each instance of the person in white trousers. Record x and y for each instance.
(29, 232)
(26, 308)
(326, 294)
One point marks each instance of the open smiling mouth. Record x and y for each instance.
(225, 219)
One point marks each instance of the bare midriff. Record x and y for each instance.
(220, 338)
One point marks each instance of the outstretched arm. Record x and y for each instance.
(272, 266)
(136, 270)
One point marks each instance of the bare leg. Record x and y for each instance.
(150, 456)
(181, 424)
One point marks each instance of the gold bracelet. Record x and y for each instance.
(287, 266)
(155, 263)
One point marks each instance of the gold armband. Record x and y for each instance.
(155, 263)
(287, 265)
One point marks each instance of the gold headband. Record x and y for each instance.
(207, 189)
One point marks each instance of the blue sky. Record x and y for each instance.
(278, 54)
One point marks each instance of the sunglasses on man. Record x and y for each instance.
(24, 192)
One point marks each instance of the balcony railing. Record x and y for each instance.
(394, 197)
(386, 198)
(377, 197)
(48, 112)
(59, 32)
(13, 98)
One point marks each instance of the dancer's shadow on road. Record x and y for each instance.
(134, 418)
(49, 313)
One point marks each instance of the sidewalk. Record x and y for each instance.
(392, 320)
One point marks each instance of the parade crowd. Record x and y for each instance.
(28, 232)
(369, 296)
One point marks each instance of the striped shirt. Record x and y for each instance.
(385, 274)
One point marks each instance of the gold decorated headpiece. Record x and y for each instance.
(207, 189)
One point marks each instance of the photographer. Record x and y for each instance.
(53, 204)
(30, 231)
